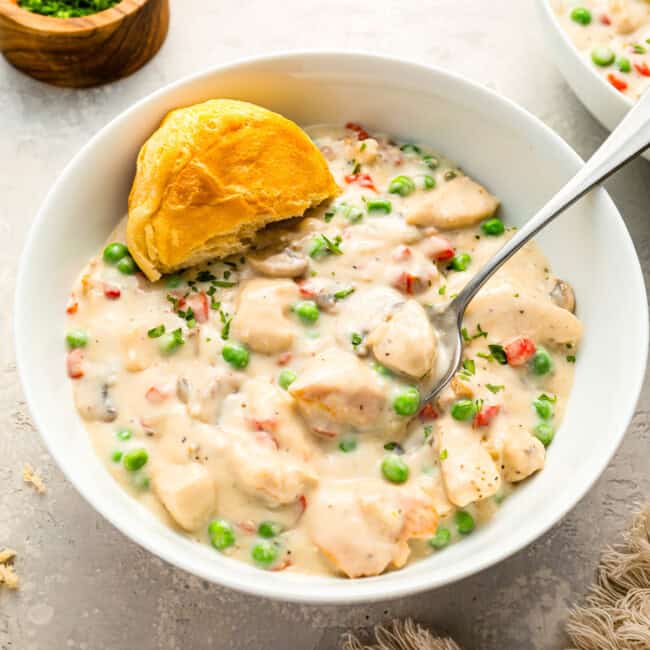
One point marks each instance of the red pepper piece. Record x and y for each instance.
(485, 416)
(427, 412)
(111, 292)
(618, 83)
(363, 180)
(199, 304)
(642, 69)
(519, 351)
(362, 134)
(74, 362)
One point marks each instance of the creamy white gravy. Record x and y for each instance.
(319, 457)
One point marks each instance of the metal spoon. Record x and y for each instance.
(630, 138)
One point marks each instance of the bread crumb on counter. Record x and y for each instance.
(8, 577)
(32, 477)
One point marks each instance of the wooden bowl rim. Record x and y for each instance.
(33, 21)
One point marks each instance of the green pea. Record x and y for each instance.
(221, 533)
(581, 15)
(77, 339)
(407, 402)
(268, 529)
(402, 185)
(307, 311)
(463, 409)
(235, 354)
(124, 434)
(173, 281)
(430, 161)
(410, 148)
(116, 456)
(286, 378)
(624, 64)
(429, 182)
(493, 227)
(156, 332)
(352, 213)
(395, 469)
(544, 432)
(460, 262)
(544, 409)
(170, 342)
(135, 459)
(464, 522)
(348, 444)
(379, 205)
(264, 552)
(603, 56)
(382, 370)
(127, 266)
(114, 252)
(441, 538)
(541, 363)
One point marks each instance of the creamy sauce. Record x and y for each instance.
(337, 303)
(614, 35)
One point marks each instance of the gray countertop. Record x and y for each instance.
(84, 585)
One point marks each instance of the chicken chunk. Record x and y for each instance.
(337, 392)
(265, 472)
(261, 406)
(138, 352)
(204, 402)
(187, 491)
(505, 316)
(457, 203)
(362, 527)
(365, 310)
(626, 16)
(261, 320)
(405, 342)
(468, 471)
(522, 455)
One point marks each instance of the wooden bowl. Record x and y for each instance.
(82, 52)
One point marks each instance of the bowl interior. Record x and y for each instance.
(502, 146)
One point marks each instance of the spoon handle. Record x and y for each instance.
(630, 138)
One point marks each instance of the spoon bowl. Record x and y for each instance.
(630, 139)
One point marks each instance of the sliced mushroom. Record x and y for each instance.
(285, 264)
(183, 389)
(562, 295)
(108, 411)
(94, 401)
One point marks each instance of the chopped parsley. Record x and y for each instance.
(494, 388)
(444, 454)
(226, 320)
(155, 332)
(469, 367)
(498, 353)
(571, 358)
(323, 245)
(205, 276)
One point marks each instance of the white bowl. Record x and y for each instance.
(513, 153)
(601, 99)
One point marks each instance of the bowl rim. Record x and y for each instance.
(366, 590)
(625, 101)
(49, 24)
